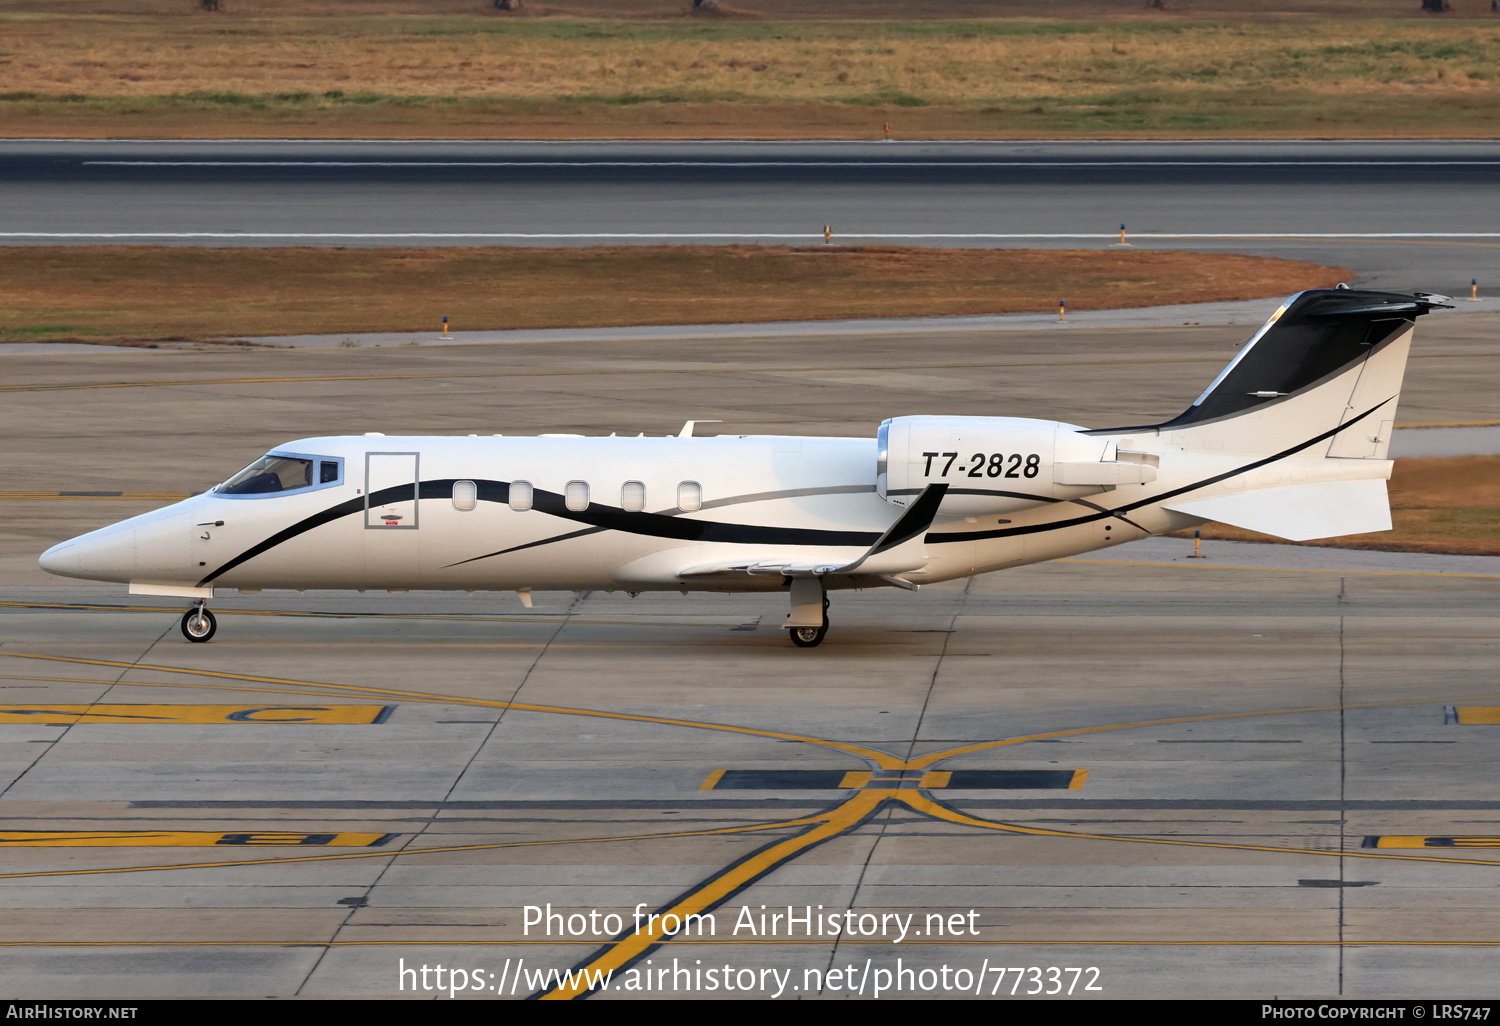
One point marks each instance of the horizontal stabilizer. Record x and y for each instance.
(1300, 512)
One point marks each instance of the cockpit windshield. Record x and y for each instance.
(271, 473)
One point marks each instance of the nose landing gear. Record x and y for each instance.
(198, 624)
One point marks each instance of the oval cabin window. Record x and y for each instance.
(689, 496)
(520, 495)
(633, 496)
(465, 495)
(576, 496)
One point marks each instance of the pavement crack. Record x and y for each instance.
(109, 686)
(364, 897)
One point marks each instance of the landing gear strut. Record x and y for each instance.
(807, 623)
(198, 624)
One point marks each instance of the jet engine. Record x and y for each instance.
(1000, 464)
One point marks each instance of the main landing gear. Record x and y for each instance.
(808, 637)
(198, 624)
(807, 623)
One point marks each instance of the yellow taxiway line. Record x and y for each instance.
(719, 889)
(881, 759)
(846, 816)
(158, 714)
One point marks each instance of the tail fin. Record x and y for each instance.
(1326, 369)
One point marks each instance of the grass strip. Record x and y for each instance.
(365, 68)
(157, 293)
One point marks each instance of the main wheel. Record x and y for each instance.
(198, 625)
(808, 637)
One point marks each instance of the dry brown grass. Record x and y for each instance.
(1437, 505)
(817, 10)
(644, 68)
(807, 62)
(165, 292)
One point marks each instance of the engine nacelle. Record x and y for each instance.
(999, 464)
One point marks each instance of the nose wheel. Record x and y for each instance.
(198, 624)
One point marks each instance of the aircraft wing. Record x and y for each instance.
(899, 550)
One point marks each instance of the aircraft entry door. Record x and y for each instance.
(391, 491)
(391, 519)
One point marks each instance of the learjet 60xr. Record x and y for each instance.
(1290, 439)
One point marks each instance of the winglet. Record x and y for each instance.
(916, 520)
(901, 548)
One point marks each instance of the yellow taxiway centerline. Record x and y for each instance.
(720, 888)
(441, 850)
(882, 759)
(187, 839)
(158, 714)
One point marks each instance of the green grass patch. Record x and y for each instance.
(34, 332)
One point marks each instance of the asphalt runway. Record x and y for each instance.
(1418, 215)
(1266, 772)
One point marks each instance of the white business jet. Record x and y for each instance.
(1290, 439)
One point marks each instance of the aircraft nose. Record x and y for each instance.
(104, 555)
(61, 559)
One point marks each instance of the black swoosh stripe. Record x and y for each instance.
(530, 545)
(657, 525)
(736, 500)
(328, 515)
(1117, 515)
(601, 518)
(1163, 497)
(488, 490)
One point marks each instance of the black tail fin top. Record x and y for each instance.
(1314, 335)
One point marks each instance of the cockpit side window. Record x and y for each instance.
(276, 473)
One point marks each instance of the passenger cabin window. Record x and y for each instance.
(633, 497)
(576, 496)
(270, 474)
(465, 495)
(690, 496)
(520, 496)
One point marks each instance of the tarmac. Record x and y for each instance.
(1410, 214)
(1158, 776)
